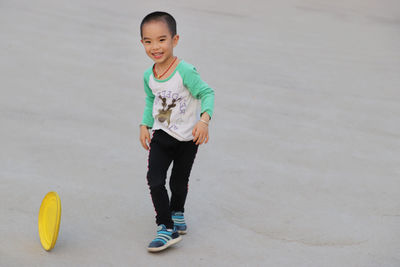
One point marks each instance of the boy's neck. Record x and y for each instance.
(165, 64)
(161, 68)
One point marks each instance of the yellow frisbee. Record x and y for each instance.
(49, 220)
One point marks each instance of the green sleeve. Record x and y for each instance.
(148, 119)
(198, 88)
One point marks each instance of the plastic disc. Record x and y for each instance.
(49, 220)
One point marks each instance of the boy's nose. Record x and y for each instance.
(154, 46)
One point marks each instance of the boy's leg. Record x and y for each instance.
(182, 166)
(160, 158)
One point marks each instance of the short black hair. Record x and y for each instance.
(160, 16)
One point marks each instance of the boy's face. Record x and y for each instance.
(158, 42)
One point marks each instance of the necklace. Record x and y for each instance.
(159, 76)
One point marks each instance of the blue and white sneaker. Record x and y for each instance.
(164, 239)
(179, 222)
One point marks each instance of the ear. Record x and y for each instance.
(175, 40)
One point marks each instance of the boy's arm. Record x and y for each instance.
(147, 120)
(199, 89)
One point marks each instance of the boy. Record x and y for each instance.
(178, 108)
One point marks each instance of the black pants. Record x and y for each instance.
(165, 149)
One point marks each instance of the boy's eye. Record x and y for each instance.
(162, 40)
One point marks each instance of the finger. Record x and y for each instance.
(201, 137)
(142, 143)
(200, 140)
(148, 141)
(197, 136)
(145, 141)
(145, 145)
(206, 139)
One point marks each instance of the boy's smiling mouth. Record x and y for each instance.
(157, 55)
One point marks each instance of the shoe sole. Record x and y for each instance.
(182, 232)
(169, 243)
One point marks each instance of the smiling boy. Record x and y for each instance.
(179, 106)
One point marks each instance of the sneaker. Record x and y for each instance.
(179, 222)
(164, 239)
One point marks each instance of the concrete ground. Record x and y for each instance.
(303, 165)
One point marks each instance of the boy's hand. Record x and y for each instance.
(200, 130)
(144, 136)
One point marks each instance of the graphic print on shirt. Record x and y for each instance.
(164, 114)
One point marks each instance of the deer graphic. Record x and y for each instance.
(164, 114)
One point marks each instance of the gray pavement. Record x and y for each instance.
(303, 165)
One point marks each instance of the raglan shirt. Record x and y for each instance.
(174, 104)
